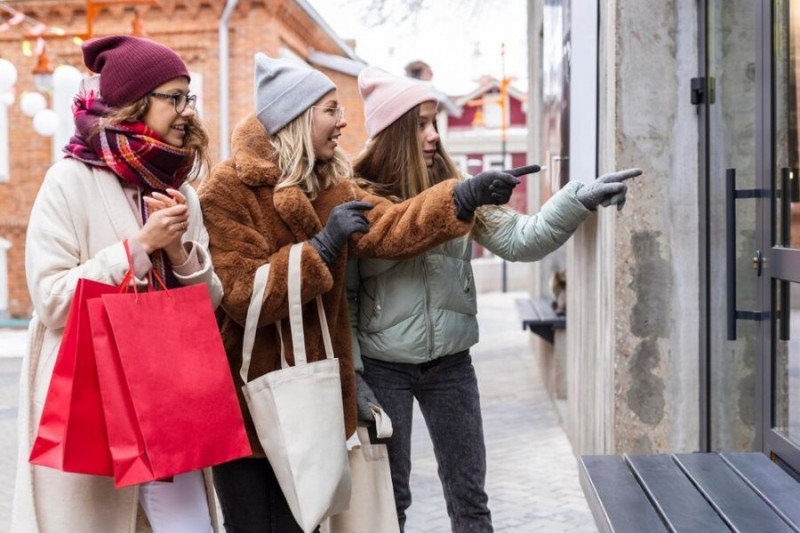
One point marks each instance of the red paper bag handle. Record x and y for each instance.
(130, 276)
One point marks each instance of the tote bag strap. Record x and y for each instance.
(296, 311)
(253, 312)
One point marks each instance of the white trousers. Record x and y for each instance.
(177, 507)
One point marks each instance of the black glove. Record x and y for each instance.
(493, 187)
(364, 397)
(345, 219)
(607, 189)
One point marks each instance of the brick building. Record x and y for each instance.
(287, 28)
(472, 132)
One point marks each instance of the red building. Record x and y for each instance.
(471, 131)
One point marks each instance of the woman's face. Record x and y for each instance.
(429, 136)
(161, 115)
(327, 122)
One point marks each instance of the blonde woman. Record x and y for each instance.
(288, 182)
(124, 177)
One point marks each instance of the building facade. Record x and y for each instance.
(681, 323)
(280, 28)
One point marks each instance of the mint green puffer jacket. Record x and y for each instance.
(423, 308)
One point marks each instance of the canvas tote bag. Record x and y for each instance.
(372, 507)
(297, 411)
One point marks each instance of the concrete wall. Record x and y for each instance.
(633, 277)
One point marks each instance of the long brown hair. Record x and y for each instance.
(392, 164)
(195, 140)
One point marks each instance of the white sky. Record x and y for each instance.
(446, 35)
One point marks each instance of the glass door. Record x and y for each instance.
(780, 372)
(728, 116)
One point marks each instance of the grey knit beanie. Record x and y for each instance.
(286, 88)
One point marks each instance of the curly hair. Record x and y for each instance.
(195, 140)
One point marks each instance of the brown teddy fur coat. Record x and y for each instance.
(249, 224)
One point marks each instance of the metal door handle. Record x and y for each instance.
(731, 195)
(786, 241)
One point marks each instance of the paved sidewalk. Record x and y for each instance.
(533, 479)
(532, 475)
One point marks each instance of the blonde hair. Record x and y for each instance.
(294, 150)
(392, 164)
(195, 139)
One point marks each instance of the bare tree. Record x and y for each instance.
(381, 12)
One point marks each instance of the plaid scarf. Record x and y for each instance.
(132, 151)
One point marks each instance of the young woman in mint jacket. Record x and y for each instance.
(414, 321)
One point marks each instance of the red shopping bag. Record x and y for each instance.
(168, 394)
(72, 432)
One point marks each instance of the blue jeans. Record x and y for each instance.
(447, 392)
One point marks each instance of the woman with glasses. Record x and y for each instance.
(415, 320)
(137, 143)
(288, 182)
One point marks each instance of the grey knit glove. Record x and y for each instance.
(344, 219)
(607, 189)
(493, 187)
(364, 397)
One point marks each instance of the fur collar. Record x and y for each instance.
(252, 157)
(252, 154)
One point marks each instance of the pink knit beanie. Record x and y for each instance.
(130, 67)
(388, 97)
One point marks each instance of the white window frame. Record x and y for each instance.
(492, 111)
(461, 162)
(5, 164)
(4, 247)
(196, 87)
(496, 162)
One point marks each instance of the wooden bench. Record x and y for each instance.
(537, 315)
(691, 492)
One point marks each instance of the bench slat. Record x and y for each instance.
(680, 504)
(780, 490)
(729, 494)
(539, 317)
(617, 501)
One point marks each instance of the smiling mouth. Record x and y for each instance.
(179, 127)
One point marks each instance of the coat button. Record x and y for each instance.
(378, 307)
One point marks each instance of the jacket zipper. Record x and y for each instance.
(426, 301)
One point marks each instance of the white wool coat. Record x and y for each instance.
(77, 225)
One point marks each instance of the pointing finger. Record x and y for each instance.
(521, 171)
(622, 175)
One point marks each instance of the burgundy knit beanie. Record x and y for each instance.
(130, 67)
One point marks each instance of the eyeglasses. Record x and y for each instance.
(179, 100)
(337, 111)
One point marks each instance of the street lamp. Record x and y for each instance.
(43, 72)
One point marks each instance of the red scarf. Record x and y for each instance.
(131, 150)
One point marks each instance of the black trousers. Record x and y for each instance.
(251, 499)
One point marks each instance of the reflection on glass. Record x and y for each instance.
(787, 365)
(732, 144)
(786, 200)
